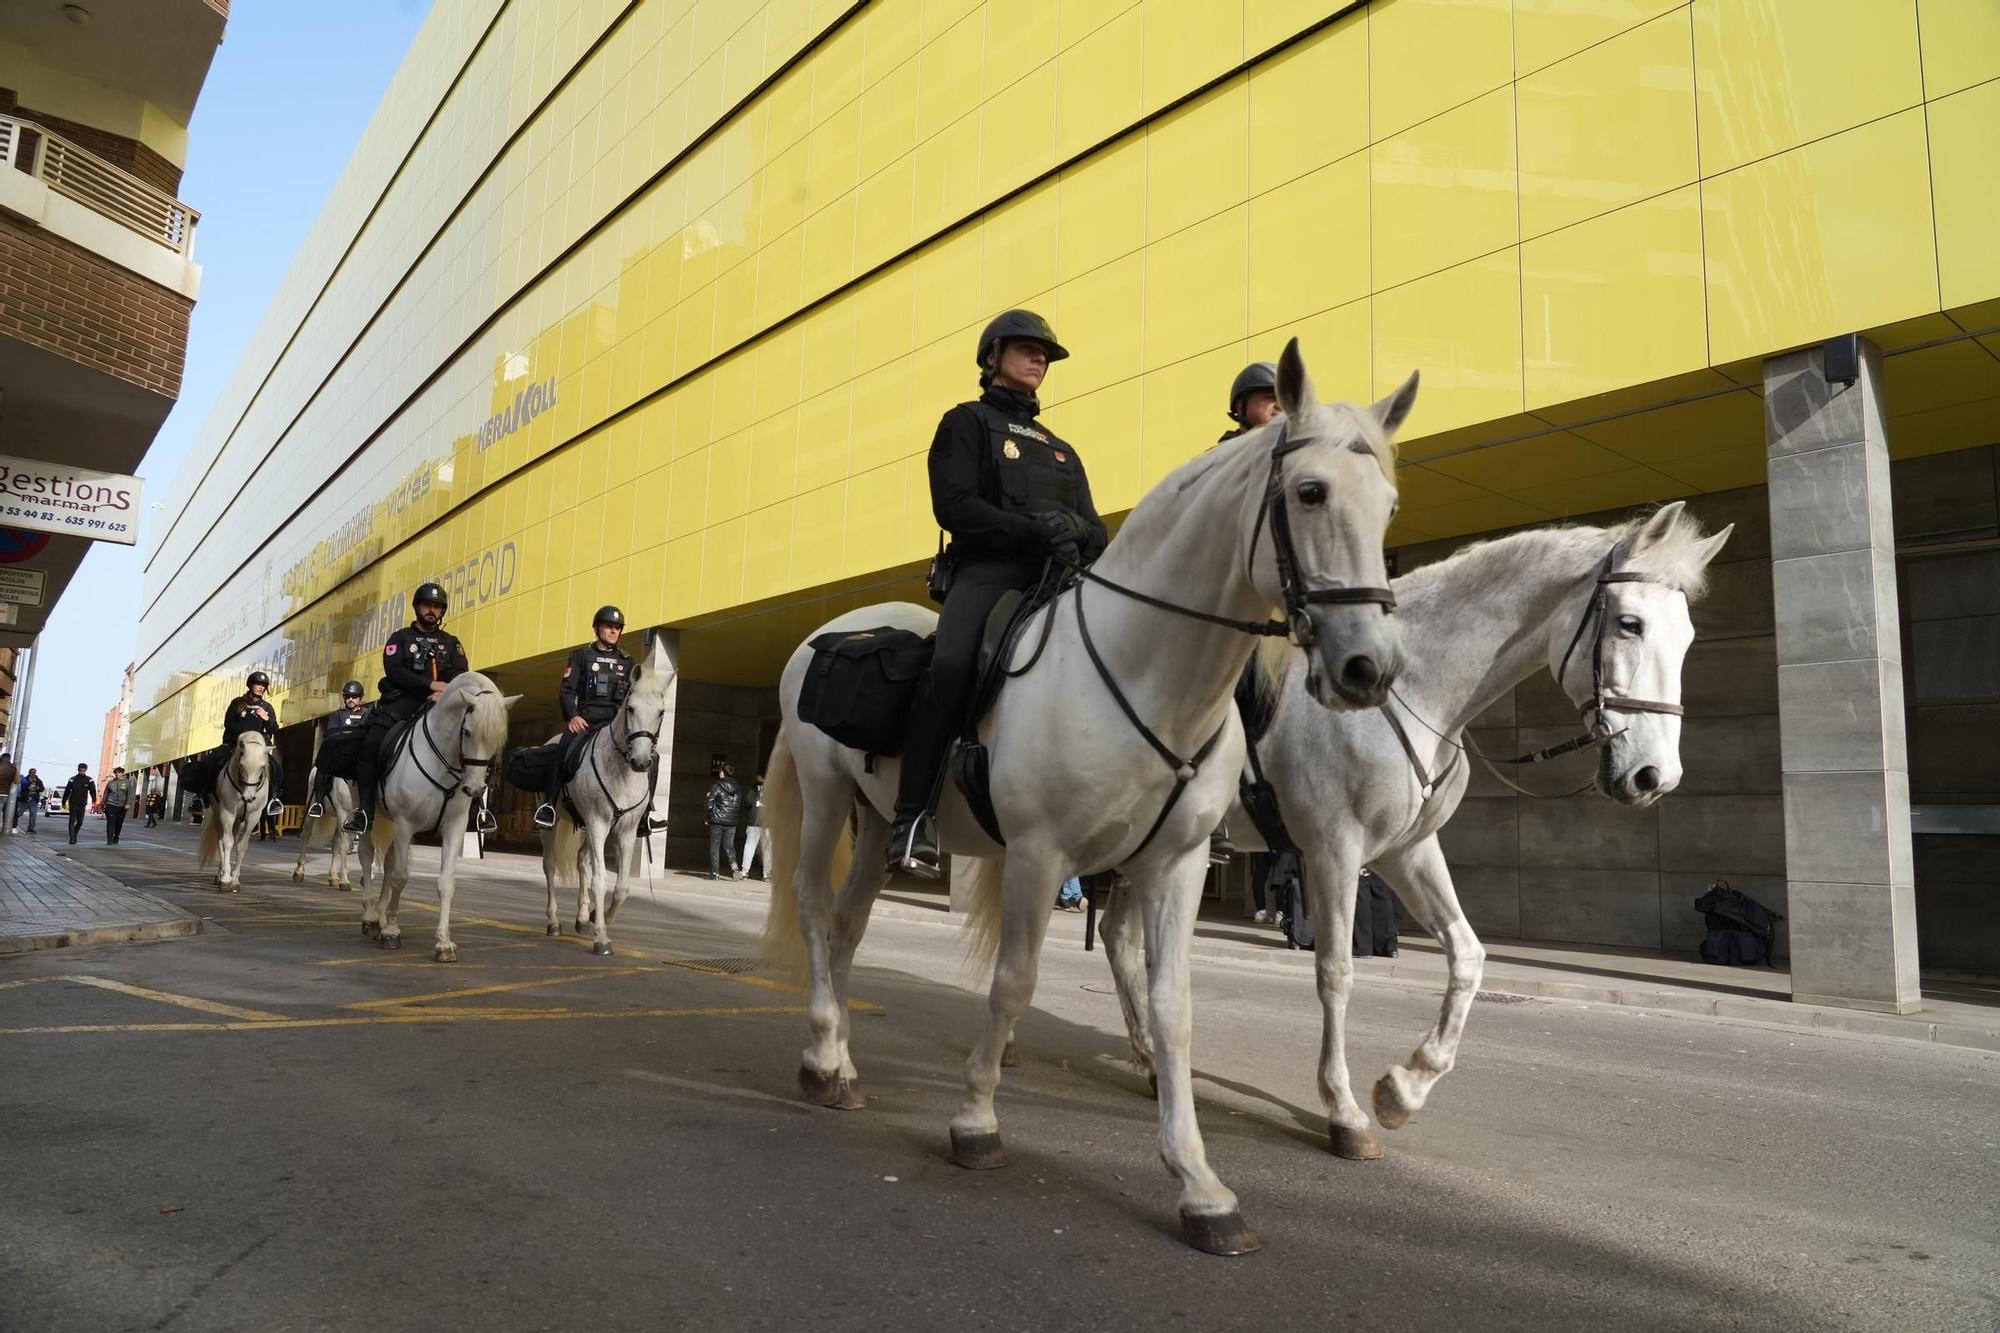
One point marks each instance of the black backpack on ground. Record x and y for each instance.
(861, 685)
(1742, 932)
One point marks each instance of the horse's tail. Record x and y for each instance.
(569, 841)
(211, 836)
(783, 948)
(983, 919)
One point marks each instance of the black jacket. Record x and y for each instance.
(247, 714)
(413, 658)
(79, 792)
(595, 682)
(724, 803)
(966, 494)
(344, 726)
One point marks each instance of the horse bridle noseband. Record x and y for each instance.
(1298, 598)
(1601, 702)
(619, 812)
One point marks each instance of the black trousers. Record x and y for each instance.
(335, 761)
(939, 713)
(75, 821)
(721, 848)
(1377, 918)
(114, 822)
(388, 712)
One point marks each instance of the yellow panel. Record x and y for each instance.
(1965, 171)
(1615, 301)
(892, 34)
(776, 361)
(1724, 470)
(1020, 248)
(1103, 208)
(1961, 43)
(819, 530)
(1420, 488)
(884, 317)
(1080, 18)
(947, 176)
(1444, 191)
(1187, 45)
(695, 336)
(1773, 74)
(1179, 410)
(1309, 103)
(1827, 238)
(874, 519)
(1730, 421)
(1020, 43)
(1427, 56)
(1019, 137)
(1101, 317)
(722, 564)
(620, 508)
(1545, 31)
(687, 505)
(1196, 160)
(832, 157)
(827, 350)
(823, 431)
(1462, 328)
(830, 252)
(949, 77)
(837, 68)
(888, 119)
(777, 268)
(767, 553)
(1104, 427)
(1607, 128)
(948, 289)
(1941, 430)
(1309, 244)
(781, 192)
(1635, 398)
(1097, 83)
(1335, 346)
(1481, 514)
(728, 477)
(774, 444)
(736, 303)
(1268, 22)
(885, 214)
(882, 431)
(1543, 461)
(1942, 376)
(1606, 490)
(1196, 297)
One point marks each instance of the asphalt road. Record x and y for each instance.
(280, 1126)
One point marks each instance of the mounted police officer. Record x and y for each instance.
(1011, 494)
(595, 682)
(339, 746)
(419, 660)
(251, 711)
(1253, 398)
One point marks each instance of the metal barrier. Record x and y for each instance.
(111, 191)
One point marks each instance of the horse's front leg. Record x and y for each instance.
(593, 854)
(548, 838)
(396, 877)
(586, 848)
(1028, 879)
(1332, 871)
(299, 866)
(372, 886)
(1420, 875)
(1210, 1217)
(449, 846)
(628, 850)
(1124, 949)
(225, 847)
(865, 877)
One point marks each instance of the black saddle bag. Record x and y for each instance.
(530, 768)
(862, 684)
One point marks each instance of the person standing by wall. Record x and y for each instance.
(30, 799)
(117, 798)
(10, 775)
(78, 793)
(756, 842)
(156, 804)
(722, 809)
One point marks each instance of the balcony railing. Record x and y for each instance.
(99, 186)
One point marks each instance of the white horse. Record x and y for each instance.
(1604, 610)
(242, 786)
(327, 829)
(610, 791)
(428, 785)
(1133, 710)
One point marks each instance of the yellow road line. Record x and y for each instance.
(429, 1016)
(379, 960)
(166, 997)
(399, 1001)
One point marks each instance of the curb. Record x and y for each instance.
(66, 939)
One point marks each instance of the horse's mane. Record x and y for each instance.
(1677, 560)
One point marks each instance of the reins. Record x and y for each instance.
(456, 773)
(619, 812)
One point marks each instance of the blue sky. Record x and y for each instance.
(289, 93)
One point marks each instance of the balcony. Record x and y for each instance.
(49, 182)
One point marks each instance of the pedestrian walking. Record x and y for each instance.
(156, 805)
(722, 809)
(756, 841)
(30, 799)
(78, 793)
(1377, 917)
(117, 797)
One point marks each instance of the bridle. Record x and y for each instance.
(229, 773)
(619, 722)
(1298, 598)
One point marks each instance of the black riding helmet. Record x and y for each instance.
(1257, 375)
(258, 678)
(429, 592)
(608, 615)
(1019, 324)
(351, 690)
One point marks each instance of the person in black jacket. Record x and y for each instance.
(78, 793)
(1012, 494)
(419, 660)
(339, 746)
(721, 809)
(595, 682)
(251, 711)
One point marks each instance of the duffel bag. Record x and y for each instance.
(861, 685)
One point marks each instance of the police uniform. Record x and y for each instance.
(412, 659)
(595, 683)
(997, 476)
(339, 750)
(246, 712)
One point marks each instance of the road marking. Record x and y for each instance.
(377, 961)
(402, 1001)
(164, 997)
(470, 1014)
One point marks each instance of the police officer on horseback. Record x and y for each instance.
(595, 682)
(339, 746)
(1253, 398)
(419, 660)
(1013, 496)
(251, 711)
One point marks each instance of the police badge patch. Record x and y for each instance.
(1011, 449)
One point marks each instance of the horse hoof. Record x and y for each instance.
(820, 1089)
(849, 1096)
(1219, 1233)
(1010, 1058)
(392, 941)
(371, 930)
(298, 877)
(1356, 1145)
(1153, 1085)
(1389, 1109)
(446, 953)
(601, 950)
(581, 926)
(554, 929)
(978, 1150)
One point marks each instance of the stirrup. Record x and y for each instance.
(908, 857)
(274, 807)
(356, 822)
(545, 815)
(651, 823)
(1220, 849)
(483, 820)
(317, 810)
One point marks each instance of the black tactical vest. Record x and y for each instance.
(606, 678)
(346, 721)
(1037, 471)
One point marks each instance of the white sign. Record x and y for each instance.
(21, 587)
(53, 497)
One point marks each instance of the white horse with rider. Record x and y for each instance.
(242, 793)
(440, 765)
(325, 829)
(1123, 691)
(604, 804)
(1603, 610)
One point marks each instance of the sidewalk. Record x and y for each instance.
(49, 901)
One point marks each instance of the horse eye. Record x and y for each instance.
(1632, 625)
(1312, 493)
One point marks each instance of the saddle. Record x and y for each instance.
(532, 767)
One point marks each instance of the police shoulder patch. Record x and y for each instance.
(389, 651)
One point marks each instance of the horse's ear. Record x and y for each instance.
(1712, 547)
(1391, 410)
(511, 700)
(1659, 526)
(1297, 398)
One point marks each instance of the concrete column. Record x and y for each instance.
(1849, 882)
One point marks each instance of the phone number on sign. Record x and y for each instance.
(76, 521)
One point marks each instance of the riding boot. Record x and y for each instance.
(322, 788)
(364, 805)
(276, 805)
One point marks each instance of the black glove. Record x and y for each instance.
(1061, 532)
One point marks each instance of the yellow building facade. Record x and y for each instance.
(656, 302)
